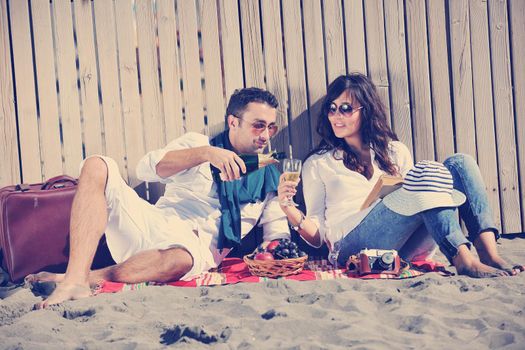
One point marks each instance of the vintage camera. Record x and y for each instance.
(379, 261)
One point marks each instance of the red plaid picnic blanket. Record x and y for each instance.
(234, 270)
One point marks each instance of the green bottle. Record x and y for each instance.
(256, 161)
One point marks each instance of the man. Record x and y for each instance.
(197, 221)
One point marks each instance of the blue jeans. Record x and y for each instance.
(411, 235)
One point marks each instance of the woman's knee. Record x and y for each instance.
(462, 159)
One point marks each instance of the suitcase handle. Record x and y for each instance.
(22, 187)
(58, 182)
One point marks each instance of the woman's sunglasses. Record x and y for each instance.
(259, 127)
(345, 109)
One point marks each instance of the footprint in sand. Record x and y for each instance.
(120, 308)
(79, 315)
(326, 300)
(419, 286)
(268, 315)
(183, 333)
(211, 300)
(304, 298)
(243, 296)
(413, 324)
(497, 341)
(9, 313)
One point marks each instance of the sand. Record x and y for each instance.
(427, 312)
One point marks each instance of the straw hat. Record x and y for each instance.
(427, 185)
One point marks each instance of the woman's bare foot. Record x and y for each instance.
(64, 292)
(479, 270)
(487, 250)
(44, 277)
(466, 264)
(497, 262)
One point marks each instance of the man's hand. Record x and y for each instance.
(228, 162)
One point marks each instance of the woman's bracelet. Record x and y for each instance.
(299, 225)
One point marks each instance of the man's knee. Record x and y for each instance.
(94, 171)
(176, 262)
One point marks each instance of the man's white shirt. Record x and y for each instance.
(193, 194)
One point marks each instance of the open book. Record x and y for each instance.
(385, 185)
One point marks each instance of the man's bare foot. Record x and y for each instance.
(95, 277)
(44, 277)
(66, 291)
(477, 269)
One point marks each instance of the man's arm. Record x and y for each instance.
(229, 163)
(273, 220)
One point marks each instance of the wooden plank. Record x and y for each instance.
(315, 61)
(398, 71)
(25, 92)
(129, 88)
(296, 73)
(149, 75)
(87, 71)
(190, 64)
(484, 109)
(10, 169)
(517, 20)
(231, 45)
(109, 83)
(355, 36)
(252, 44)
(170, 69)
(376, 50)
(68, 82)
(504, 111)
(215, 104)
(439, 76)
(275, 73)
(419, 84)
(50, 145)
(334, 39)
(462, 77)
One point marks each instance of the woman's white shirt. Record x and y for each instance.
(334, 194)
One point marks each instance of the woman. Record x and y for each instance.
(357, 147)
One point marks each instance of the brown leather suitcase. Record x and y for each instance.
(34, 226)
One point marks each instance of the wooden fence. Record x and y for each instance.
(121, 77)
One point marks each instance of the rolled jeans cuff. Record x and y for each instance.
(449, 246)
(482, 227)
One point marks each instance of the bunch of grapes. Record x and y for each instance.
(282, 249)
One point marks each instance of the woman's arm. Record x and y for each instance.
(309, 227)
(401, 157)
(306, 227)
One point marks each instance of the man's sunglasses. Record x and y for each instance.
(259, 127)
(345, 109)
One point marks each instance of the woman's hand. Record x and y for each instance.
(286, 190)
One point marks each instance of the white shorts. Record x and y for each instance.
(134, 225)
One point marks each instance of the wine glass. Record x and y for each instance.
(291, 171)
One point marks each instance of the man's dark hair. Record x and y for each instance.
(241, 97)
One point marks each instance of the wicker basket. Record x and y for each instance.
(275, 268)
